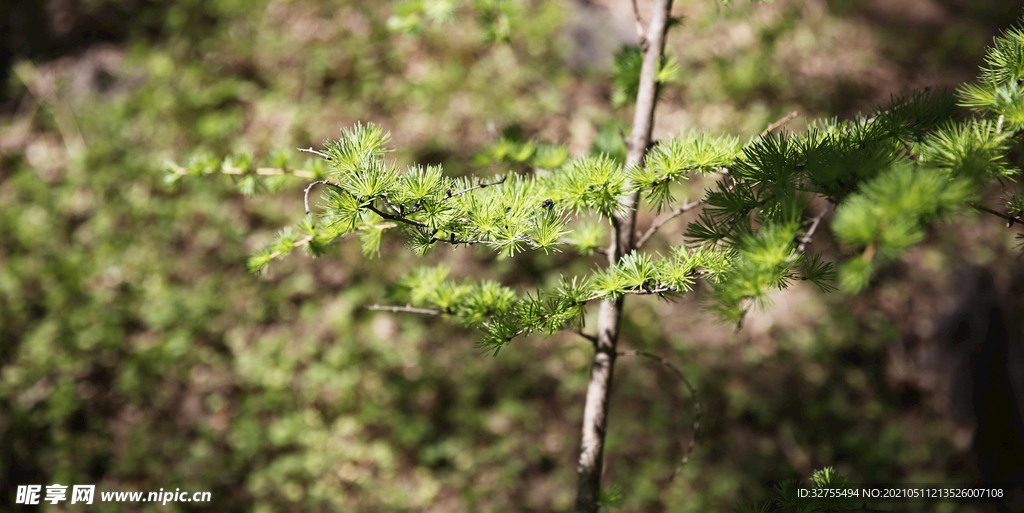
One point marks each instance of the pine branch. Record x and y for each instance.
(595, 411)
(405, 309)
(311, 150)
(455, 242)
(781, 121)
(305, 195)
(402, 216)
(641, 39)
(659, 290)
(262, 171)
(680, 210)
(305, 241)
(809, 236)
(297, 244)
(591, 338)
(810, 187)
(449, 194)
(391, 217)
(1009, 219)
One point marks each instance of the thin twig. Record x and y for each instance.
(405, 309)
(693, 395)
(625, 140)
(263, 171)
(1009, 219)
(526, 329)
(296, 244)
(305, 196)
(680, 210)
(591, 338)
(456, 242)
(304, 241)
(810, 187)
(869, 252)
(644, 292)
(479, 185)
(401, 219)
(311, 150)
(806, 239)
(781, 121)
(640, 36)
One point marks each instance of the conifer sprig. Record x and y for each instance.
(889, 175)
(429, 290)
(676, 158)
(249, 176)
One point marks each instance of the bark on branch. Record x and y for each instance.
(595, 412)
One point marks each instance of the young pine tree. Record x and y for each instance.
(888, 176)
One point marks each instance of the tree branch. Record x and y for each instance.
(311, 150)
(693, 395)
(305, 196)
(1009, 219)
(680, 210)
(391, 217)
(297, 244)
(406, 309)
(659, 290)
(306, 240)
(595, 412)
(591, 338)
(403, 217)
(479, 185)
(456, 242)
(806, 239)
(779, 122)
(641, 39)
(262, 171)
(810, 187)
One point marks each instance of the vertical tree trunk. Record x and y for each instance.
(595, 413)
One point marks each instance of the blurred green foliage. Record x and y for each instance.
(136, 352)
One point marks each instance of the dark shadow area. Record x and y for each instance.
(42, 30)
(46, 30)
(987, 389)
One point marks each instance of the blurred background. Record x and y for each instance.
(136, 353)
